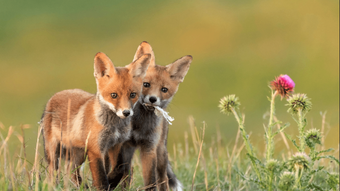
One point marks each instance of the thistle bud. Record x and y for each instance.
(272, 165)
(227, 103)
(299, 161)
(299, 102)
(287, 181)
(313, 136)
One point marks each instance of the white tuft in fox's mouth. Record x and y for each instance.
(160, 112)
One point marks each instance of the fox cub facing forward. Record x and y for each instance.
(75, 119)
(149, 131)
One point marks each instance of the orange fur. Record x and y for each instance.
(101, 118)
(150, 131)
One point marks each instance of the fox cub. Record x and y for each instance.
(101, 122)
(149, 131)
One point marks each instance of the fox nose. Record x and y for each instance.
(126, 113)
(153, 99)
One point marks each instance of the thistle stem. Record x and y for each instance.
(298, 176)
(312, 152)
(270, 145)
(301, 130)
(270, 188)
(246, 140)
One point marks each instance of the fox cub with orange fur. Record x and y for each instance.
(101, 122)
(149, 131)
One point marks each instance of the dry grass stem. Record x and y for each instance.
(232, 153)
(217, 174)
(68, 166)
(284, 138)
(175, 159)
(2, 126)
(35, 166)
(186, 145)
(10, 131)
(25, 157)
(198, 159)
(3, 147)
(192, 127)
(60, 152)
(219, 138)
(323, 130)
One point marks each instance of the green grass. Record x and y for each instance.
(219, 166)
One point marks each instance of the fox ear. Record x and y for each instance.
(103, 66)
(139, 67)
(145, 48)
(179, 68)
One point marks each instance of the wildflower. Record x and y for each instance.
(227, 103)
(287, 181)
(283, 85)
(272, 165)
(313, 136)
(299, 161)
(299, 102)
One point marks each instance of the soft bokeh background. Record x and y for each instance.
(238, 48)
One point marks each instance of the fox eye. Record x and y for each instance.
(164, 89)
(114, 95)
(133, 95)
(146, 84)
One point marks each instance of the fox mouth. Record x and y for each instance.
(149, 106)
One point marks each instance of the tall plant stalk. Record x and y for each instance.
(270, 182)
(240, 122)
(269, 136)
(301, 130)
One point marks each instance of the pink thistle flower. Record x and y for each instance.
(283, 85)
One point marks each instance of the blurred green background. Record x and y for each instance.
(238, 48)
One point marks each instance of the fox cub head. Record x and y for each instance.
(161, 82)
(119, 88)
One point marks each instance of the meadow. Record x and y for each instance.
(238, 47)
(213, 166)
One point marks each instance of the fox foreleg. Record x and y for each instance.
(149, 166)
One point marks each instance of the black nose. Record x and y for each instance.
(153, 99)
(126, 113)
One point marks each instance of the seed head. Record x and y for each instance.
(287, 181)
(299, 161)
(299, 101)
(283, 85)
(272, 165)
(313, 136)
(227, 103)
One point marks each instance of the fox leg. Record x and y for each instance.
(162, 162)
(98, 171)
(77, 159)
(121, 169)
(52, 151)
(112, 156)
(51, 146)
(149, 165)
(113, 153)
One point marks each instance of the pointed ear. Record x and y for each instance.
(179, 68)
(139, 67)
(145, 48)
(103, 66)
